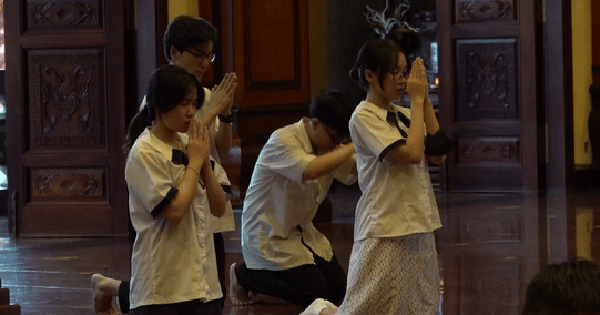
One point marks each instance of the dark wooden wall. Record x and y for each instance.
(65, 76)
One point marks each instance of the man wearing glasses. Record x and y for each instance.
(188, 43)
(284, 254)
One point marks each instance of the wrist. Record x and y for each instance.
(193, 170)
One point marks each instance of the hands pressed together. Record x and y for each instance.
(198, 147)
(417, 86)
(222, 94)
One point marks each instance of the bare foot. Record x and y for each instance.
(329, 310)
(320, 307)
(103, 291)
(237, 294)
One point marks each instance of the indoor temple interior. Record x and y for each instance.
(514, 84)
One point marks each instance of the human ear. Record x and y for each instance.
(175, 54)
(370, 76)
(314, 122)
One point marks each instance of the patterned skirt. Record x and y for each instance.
(393, 276)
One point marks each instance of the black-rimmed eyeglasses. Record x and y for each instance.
(210, 57)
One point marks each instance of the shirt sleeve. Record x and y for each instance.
(285, 155)
(149, 180)
(379, 136)
(346, 172)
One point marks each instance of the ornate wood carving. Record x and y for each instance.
(61, 14)
(267, 67)
(66, 99)
(73, 184)
(490, 286)
(494, 149)
(487, 80)
(477, 11)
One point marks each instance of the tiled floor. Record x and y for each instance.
(489, 248)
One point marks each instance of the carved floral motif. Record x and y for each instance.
(487, 83)
(65, 99)
(65, 95)
(488, 151)
(67, 185)
(67, 13)
(473, 11)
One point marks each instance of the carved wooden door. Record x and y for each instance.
(66, 117)
(490, 249)
(488, 93)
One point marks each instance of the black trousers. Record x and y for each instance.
(299, 285)
(220, 257)
(194, 307)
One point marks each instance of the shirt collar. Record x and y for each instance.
(151, 139)
(386, 115)
(302, 135)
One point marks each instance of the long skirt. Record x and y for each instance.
(393, 276)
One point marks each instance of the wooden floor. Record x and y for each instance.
(489, 249)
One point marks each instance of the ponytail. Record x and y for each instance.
(168, 86)
(140, 121)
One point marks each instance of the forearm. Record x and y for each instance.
(186, 191)
(208, 116)
(216, 196)
(412, 150)
(324, 164)
(431, 122)
(415, 141)
(436, 159)
(223, 140)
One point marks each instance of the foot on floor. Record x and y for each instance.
(237, 294)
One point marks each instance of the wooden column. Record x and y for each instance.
(594, 120)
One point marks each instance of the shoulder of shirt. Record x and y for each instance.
(287, 130)
(146, 143)
(366, 109)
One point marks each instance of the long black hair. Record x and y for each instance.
(168, 86)
(377, 55)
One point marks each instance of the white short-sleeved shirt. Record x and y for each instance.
(170, 263)
(280, 205)
(397, 198)
(226, 223)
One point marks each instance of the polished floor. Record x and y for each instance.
(491, 245)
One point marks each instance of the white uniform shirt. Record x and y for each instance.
(397, 198)
(226, 223)
(279, 200)
(170, 263)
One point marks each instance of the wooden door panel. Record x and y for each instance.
(488, 93)
(66, 111)
(271, 56)
(66, 107)
(271, 63)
